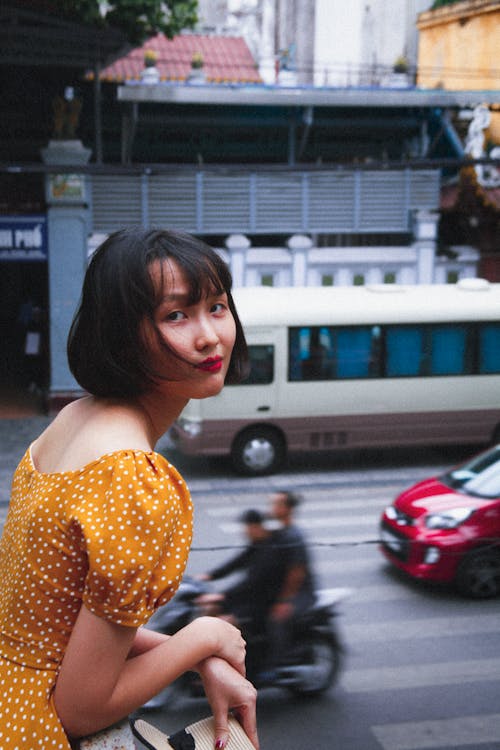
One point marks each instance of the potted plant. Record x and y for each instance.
(197, 74)
(150, 58)
(401, 65)
(150, 74)
(197, 61)
(398, 78)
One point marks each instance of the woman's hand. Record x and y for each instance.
(227, 690)
(228, 642)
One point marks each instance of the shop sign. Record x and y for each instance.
(23, 238)
(64, 188)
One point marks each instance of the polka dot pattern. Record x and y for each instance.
(114, 535)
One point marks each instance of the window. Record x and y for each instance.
(404, 351)
(448, 350)
(261, 365)
(489, 348)
(393, 351)
(354, 352)
(267, 279)
(326, 353)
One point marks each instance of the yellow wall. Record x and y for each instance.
(459, 48)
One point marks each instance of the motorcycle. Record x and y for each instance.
(312, 663)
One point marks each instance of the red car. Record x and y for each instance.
(447, 529)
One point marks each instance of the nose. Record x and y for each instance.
(206, 335)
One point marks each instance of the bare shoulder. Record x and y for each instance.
(85, 430)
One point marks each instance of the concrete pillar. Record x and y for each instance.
(238, 246)
(425, 232)
(299, 246)
(267, 61)
(67, 230)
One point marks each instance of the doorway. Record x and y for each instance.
(24, 364)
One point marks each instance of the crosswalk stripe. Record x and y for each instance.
(330, 505)
(457, 732)
(430, 627)
(420, 675)
(314, 523)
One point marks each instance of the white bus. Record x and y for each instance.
(349, 367)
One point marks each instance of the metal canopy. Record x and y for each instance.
(303, 96)
(32, 38)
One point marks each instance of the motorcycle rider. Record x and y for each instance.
(250, 599)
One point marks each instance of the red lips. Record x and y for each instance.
(212, 364)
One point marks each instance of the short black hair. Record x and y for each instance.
(292, 499)
(252, 516)
(106, 352)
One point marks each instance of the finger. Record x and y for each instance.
(221, 729)
(248, 721)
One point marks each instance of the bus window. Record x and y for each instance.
(404, 351)
(354, 352)
(261, 365)
(448, 350)
(310, 353)
(489, 348)
(325, 353)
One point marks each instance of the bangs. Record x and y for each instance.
(205, 272)
(206, 285)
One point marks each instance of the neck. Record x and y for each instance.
(158, 415)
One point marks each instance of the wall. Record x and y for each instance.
(458, 49)
(358, 42)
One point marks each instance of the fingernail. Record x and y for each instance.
(219, 744)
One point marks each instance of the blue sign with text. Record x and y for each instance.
(23, 238)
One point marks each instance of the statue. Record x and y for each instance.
(66, 110)
(488, 175)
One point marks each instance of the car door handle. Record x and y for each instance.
(263, 408)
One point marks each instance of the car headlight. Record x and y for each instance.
(191, 428)
(448, 519)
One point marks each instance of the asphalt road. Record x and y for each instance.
(422, 667)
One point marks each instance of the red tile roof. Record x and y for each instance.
(226, 60)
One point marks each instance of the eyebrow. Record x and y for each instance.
(185, 297)
(175, 297)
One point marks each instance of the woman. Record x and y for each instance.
(99, 525)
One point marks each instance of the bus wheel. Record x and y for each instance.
(258, 450)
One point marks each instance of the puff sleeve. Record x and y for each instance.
(137, 529)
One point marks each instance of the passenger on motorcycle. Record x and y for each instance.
(296, 595)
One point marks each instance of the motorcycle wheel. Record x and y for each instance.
(319, 668)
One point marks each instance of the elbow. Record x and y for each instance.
(75, 719)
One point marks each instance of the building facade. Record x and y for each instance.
(324, 42)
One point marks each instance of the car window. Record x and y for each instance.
(480, 477)
(485, 484)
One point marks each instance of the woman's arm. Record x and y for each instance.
(106, 674)
(146, 639)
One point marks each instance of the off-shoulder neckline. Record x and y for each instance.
(89, 464)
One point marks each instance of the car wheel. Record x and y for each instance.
(478, 574)
(258, 451)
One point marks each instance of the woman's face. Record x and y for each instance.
(202, 335)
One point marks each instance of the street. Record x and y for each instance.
(422, 665)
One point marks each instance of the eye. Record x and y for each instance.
(218, 307)
(175, 315)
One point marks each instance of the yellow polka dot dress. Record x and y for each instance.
(114, 535)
